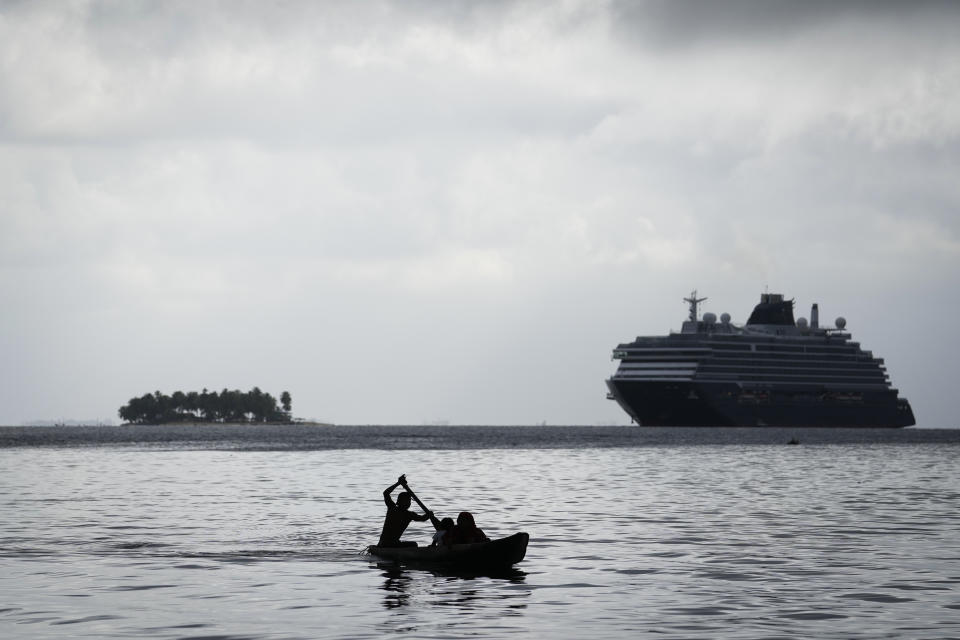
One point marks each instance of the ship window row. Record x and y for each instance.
(658, 365)
(805, 371)
(806, 381)
(664, 354)
(811, 384)
(788, 360)
(662, 359)
(813, 357)
(788, 381)
(792, 362)
(758, 360)
(846, 347)
(798, 366)
(739, 341)
(651, 375)
(785, 377)
(637, 357)
(741, 351)
(677, 349)
(782, 348)
(643, 370)
(761, 353)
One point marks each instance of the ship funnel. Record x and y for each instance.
(814, 316)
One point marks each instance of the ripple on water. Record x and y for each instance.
(874, 597)
(97, 618)
(812, 615)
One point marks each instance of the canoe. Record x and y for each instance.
(500, 553)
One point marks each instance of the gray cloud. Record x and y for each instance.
(674, 25)
(410, 212)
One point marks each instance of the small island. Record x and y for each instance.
(207, 406)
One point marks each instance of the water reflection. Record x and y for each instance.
(404, 586)
(396, 584)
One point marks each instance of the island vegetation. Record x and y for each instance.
(207, 406)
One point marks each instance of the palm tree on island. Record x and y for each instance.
(253, 406)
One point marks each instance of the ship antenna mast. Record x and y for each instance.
(694, 301)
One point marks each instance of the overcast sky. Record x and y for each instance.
(415, 212)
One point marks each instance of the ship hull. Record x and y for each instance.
(695, 404)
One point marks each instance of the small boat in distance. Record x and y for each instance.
(487, 556)
(772, 371)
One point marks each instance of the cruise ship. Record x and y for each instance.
(771, 371)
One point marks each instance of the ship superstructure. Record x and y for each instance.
(772, 371)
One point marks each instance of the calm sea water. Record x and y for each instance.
(683, 534)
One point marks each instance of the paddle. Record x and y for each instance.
(407, 488)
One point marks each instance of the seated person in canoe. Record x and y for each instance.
(465, 531)
(443, 532)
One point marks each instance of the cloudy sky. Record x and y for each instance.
(410, 212)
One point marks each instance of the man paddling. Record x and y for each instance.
(399, 516)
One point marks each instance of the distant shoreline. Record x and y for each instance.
(299, 423)
(320, 436)
(313, 423)
(192, 423)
